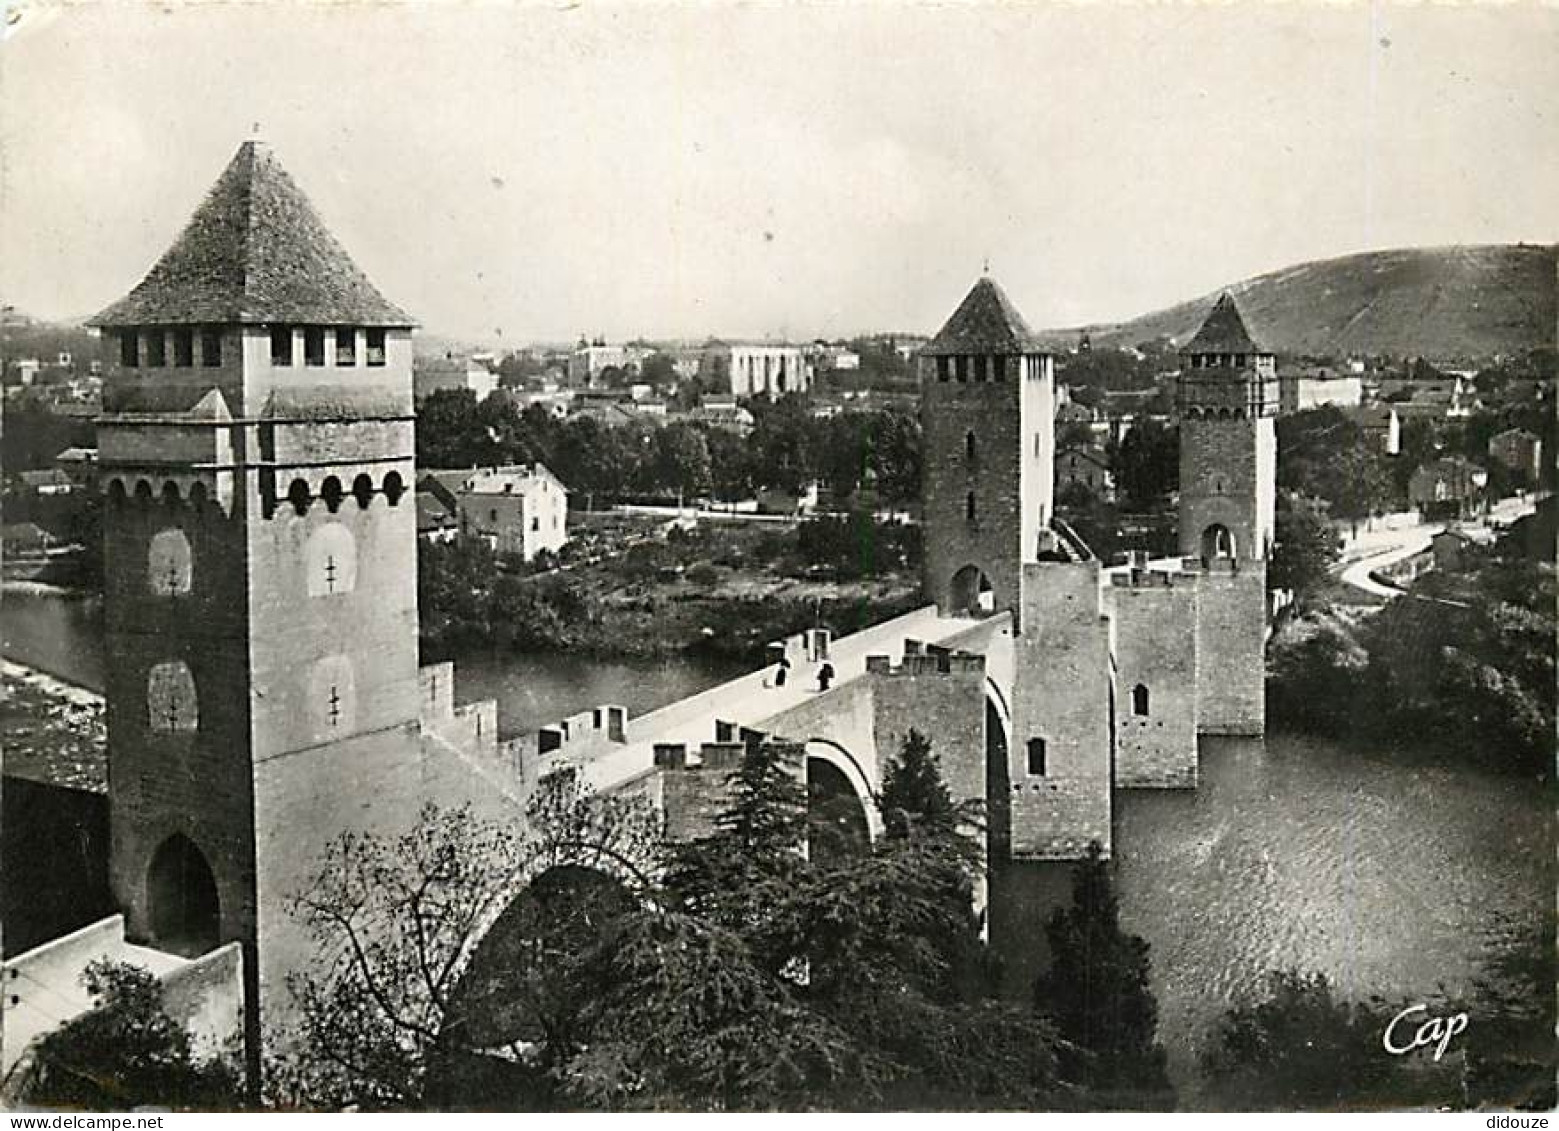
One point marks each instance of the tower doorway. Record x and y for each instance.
(972, 594)
(185, 912)
(1217, 542)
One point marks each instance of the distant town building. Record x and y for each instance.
(590, 362)
(723, 412)
(745, 370)
(1520, 451)
(1382, 427)
(433, 375)
(46, 481)
(437, 521)
(1449, 487)
(1084, 466)
(79, 465)
(518, 509)
(1302, 389)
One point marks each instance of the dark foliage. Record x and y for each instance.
(1097, 990)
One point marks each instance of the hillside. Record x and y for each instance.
(1443, 303)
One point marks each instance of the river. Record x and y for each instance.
(1386, 877)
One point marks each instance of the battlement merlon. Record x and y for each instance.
(933, 661)
(604, 725)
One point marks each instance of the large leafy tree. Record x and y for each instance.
(1146, 464)
(128, 1052)
(1097, 990)
(1305, 546)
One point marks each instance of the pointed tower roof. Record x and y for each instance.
(255, 251)
(1223, 331)
(985, 322)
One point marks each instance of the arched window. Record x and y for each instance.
(168, 565)
(332, 696)
(1139, 700)
(330, 561)
(1036, 756)
(171, 706)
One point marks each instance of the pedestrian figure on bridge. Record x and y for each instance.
(782, 671)
(825, 676)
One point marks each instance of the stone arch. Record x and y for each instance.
(172, 705)
(970, 592)
(332, 492)
(299, 495)
(1217, 542)
(330, 561)
(363, 490)
(197, 495)
(117, 495)
(169, 563)
(844, 768)
(143, 491)
(184, 911)
(549, 913)
(394, 487)
(170, 494)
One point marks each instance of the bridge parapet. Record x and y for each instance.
(696, 787)
(595, 727)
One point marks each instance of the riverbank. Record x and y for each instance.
(52, 731)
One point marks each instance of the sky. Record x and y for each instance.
(519, 173)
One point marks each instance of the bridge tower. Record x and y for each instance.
(987, 414)
(256, 451)
(1227, 397)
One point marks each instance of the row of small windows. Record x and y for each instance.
(1218, 360)
(973, 367)
(153, 348)
(343, 338)
(173, 707)
(329, 557)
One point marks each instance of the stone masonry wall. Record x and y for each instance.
(1231, 648)
(942, 697)
(950, 412)
(1154, 616)
(1061, 695)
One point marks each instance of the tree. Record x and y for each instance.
(1304, 547)
(680, 460)
(1299, 1047)
(384, 1022)
(1097, 990)
(128, 1052)
(913, 792)
(1146, 464)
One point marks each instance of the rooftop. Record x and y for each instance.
(985, 322)
(255, 252)
(1223, 331)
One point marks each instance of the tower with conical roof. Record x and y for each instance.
(256, 452)
(1227, 398)
(987, 415)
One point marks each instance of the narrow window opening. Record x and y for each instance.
(375, 347)
(156, 349)
(961, 368)
(969, 506)
(941, 369)
(184, 347)
(211, 348)
(346, 346)
(999, 367)
(969, 450)
(281, 345)
(1036, 757)
(313, 345)
(130, 349)
(1139, 700)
